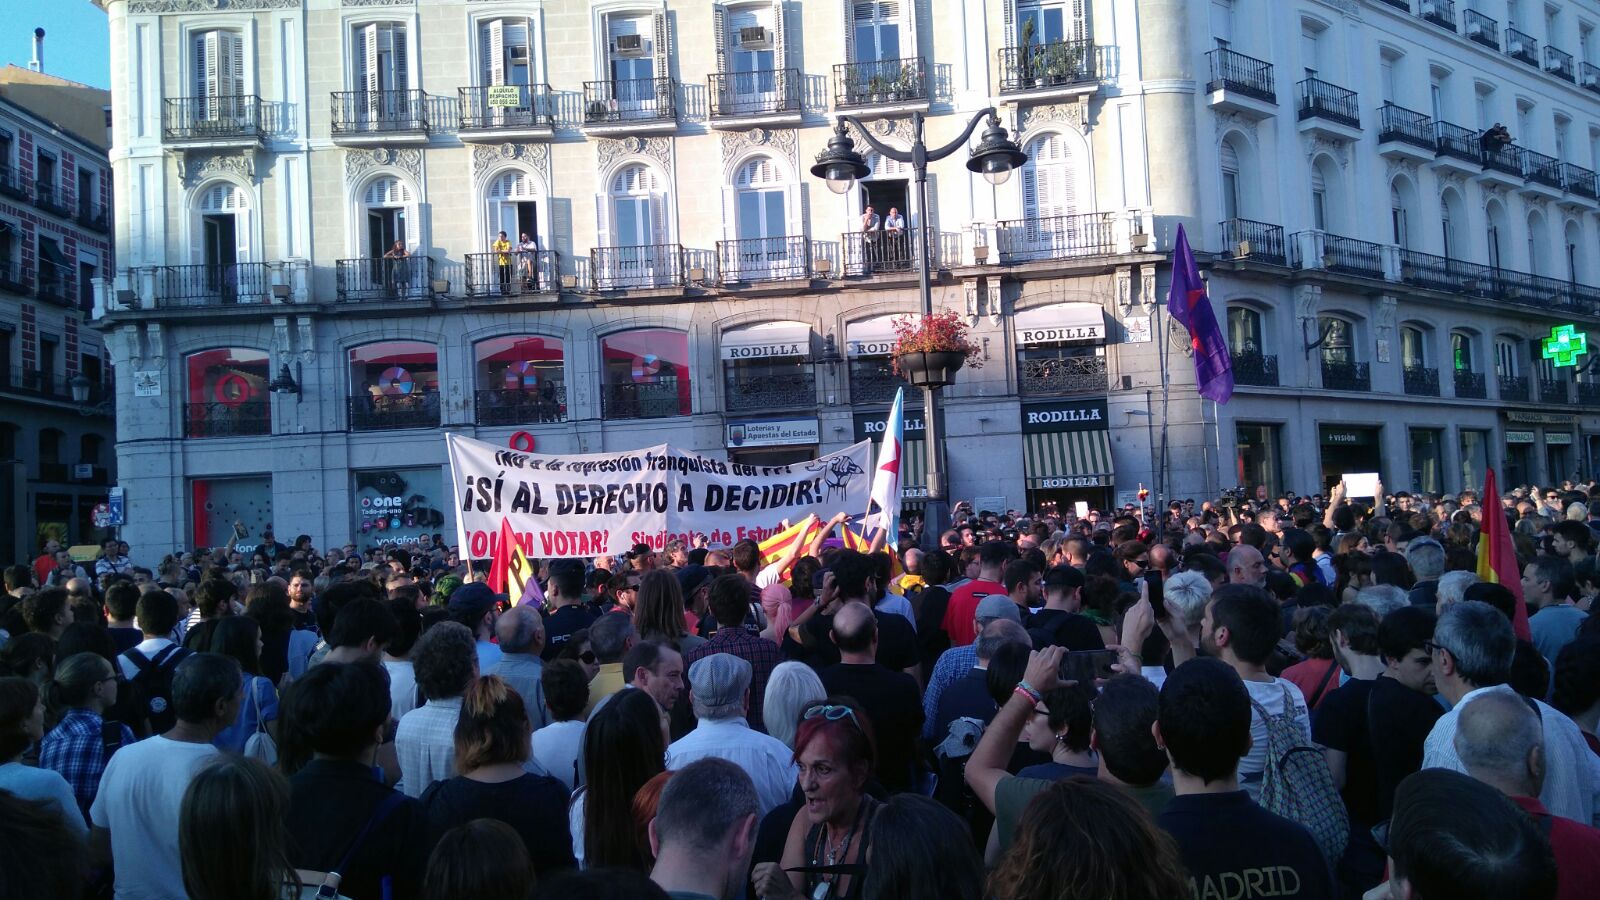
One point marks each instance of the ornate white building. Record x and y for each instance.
(686, 280)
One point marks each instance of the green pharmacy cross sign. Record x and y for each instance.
(1564, 345)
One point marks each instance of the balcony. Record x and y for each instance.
(12, 185)
(406, 278)
(546, 404)
(1255, 241)
(1254, 368)
(1345, 376)
(1056, 69)
(891, 85)
(1063, 375)
(1241, 84)
(1337, 254)
(1589, 393)
(1421, 381)
(768, 393)
(238, 284)
(1579, 181)
(1438, 12)
(212, 420)
(1553, 391)
(14, 278)
(639, 267)
(1589, 76)
(506, 112)
(877, 385)
(1470, 279)
(1502, 164)
(1543, 174)
(1405, 134)
(524, 273)
(768, 97)
(1470, 385)
(53, 283)
(1514, 387)
(1329, 110)
(380, 117)
(634, 106)
(754, 260)
(1481, 29)
(386, 412)
(1402, 5)
(881, 252)
(227, 121)
(1056, 237)
(1559, 64)
(1456, 148)
(93, 216)
(659, 399)
(1522, 47)
(49, 197)
(34, 383)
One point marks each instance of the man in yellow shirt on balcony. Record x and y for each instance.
(502, 261)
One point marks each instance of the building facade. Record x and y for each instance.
(312, 287)
(56, 455)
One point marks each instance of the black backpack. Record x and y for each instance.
(154, 678)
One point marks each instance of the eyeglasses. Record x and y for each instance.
(832, 713)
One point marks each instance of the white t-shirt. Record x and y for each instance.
(1270, 696)
(402, 687)
(139, 800)
(556, 747)
(32, 783)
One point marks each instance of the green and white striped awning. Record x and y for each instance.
(1067, 459)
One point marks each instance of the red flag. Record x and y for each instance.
(1497, 556)
(500, 559)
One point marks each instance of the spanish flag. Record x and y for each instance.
(1497, 556)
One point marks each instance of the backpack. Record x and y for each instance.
(1297, 783)
(154, 678)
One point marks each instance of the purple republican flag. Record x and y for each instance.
(1188, 304)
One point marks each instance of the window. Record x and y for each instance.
(1311, 47)
(1505, 359)
(877, 31)
(1222, 23)
(636, 54)
(1495, 233)
(7, 157)
(1388, 63)
(1048, 187)
(221, 236)
(1562, 128)
(646, 374)
(54, 270)
(1461, 352)
(1337, 345)
(381, 61)
(637, 209)
(394, 384)
(44, 172)
(1413, 347)
(767, 367)
(513, 208)
(761, 201)
(1397, 217)
(520, 380)
(1484, 96)
(1436, 97)
(218, 69)
(1427, 462)
(1474, 449)
(387, 203)
(50, 447)
(227, 393)
(1447, 228)
(1244, 330)
(505, 52)
(1230, 181)
(1319, 200)
(1260, 461)
(1538, 245)
(1043, 22)
(760, 210)
(89, 449)
(753, 46)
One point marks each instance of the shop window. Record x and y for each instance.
(394, 384)
(646, 374)
(227, 393)
(520, 381)
(223, 508)
(397, 507)
(1260, 461)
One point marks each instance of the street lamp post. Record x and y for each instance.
(994, 158)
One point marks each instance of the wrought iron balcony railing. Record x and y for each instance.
(1500, 285)
(1404, 5)
(1062, 375)
(383, 278)
(1589, 393)
(1578, 180)
(1559, 63)
(1055, 64)
(1440, 12)
(1540, 168)
(660, 399)
(1233, 71)
(632, 100)
(14, 278)
(379, 112)
(1256, 241)
(520, 272)
(1457, 142)
(506, 107)
(877, 385)
(1396, 123)
(225, 118)
(53, 283)
(750, 260)
(12, 184)
(643, 266)
(1421, 381)
(1589, 76)
(51, 197)
(1345, 255)
(35, 383)
(546, 403)
(1056, 237)
(1324, 100)
(92, 216)
(1514, 387)
(212, 285)
(218, 419)
(1505, 158)
(1346, 376)
(1255, 368)
(763, 93)
(879, 82)
(1481, 28)
(881, 252)
(1553, 390)
(385, 412)
(1470, 385)
(762, 393)
(1521, 46)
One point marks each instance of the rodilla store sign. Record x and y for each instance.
(1064, 415)
(871, 426)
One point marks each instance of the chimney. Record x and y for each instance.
(37, 63)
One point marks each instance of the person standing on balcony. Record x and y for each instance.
(398, 268)
(895, 229)
(502, 261)
(528, 248)
(870, 223)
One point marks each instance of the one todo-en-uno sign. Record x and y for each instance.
(604, 503)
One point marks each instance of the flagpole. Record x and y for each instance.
(1161, 361)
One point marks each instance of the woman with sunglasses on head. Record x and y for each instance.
(835, 751)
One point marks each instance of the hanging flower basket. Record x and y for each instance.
(929, 351)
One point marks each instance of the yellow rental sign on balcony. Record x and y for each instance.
(505, 95)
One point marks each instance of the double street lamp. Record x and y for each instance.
(994, 157)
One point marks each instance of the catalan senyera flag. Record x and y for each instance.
(774, 547)
(1497, 556)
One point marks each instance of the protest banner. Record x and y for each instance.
(597, 504)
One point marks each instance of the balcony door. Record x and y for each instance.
(1049, 195)
(633, 65)
(382, 70)
(753, 56)
(505, 56)
(222, 238)
(218, 79)
(876, 35)
(1046, 23)
(637, 235)
(514, 209)
(762, 222)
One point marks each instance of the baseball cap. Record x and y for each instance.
(691, 577)
(474, 598)
(998, 606)
(1063, 577)
(719, 679)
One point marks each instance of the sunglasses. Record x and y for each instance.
(832, 713)
(587, 657)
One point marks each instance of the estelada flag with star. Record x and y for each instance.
(1497, 556)
(883, 505)
(510, 572)
(1189, 306)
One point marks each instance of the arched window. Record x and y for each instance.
(220, 235)
(1327, 202)
(646, 374)
(520, 380)
(1413, 346)
(513, 207)
(394, 384)
(227, 393)
(759, 204)
(50, 446)
(760, 210)
(1507, 363)
(1402, 200)
(1342, 369)
(1570, 243)
(1538, 245)
(1450, 214)
(1496, 234)
(1048, 187)
(634, 235)
(1462, 355)
(1230, 179)
(1245, 334)
(386, 205)
(89, 449)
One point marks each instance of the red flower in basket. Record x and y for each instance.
(941, 332)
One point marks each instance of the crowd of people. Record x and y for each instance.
(1302, 697)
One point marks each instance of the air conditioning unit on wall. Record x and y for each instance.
(754, 37)
(628, 43)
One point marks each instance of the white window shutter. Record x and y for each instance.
(230, 67)
(795, 224)
(602, 220)
(908, 27)
(491, 57)
(663, 45)
(241, 232)
(849, 31)
(402, 65)
(660, 232)
(370, 57)
(780, 55)
(1080, 21)
(200, 57)
(730, 213)
(719, 29)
